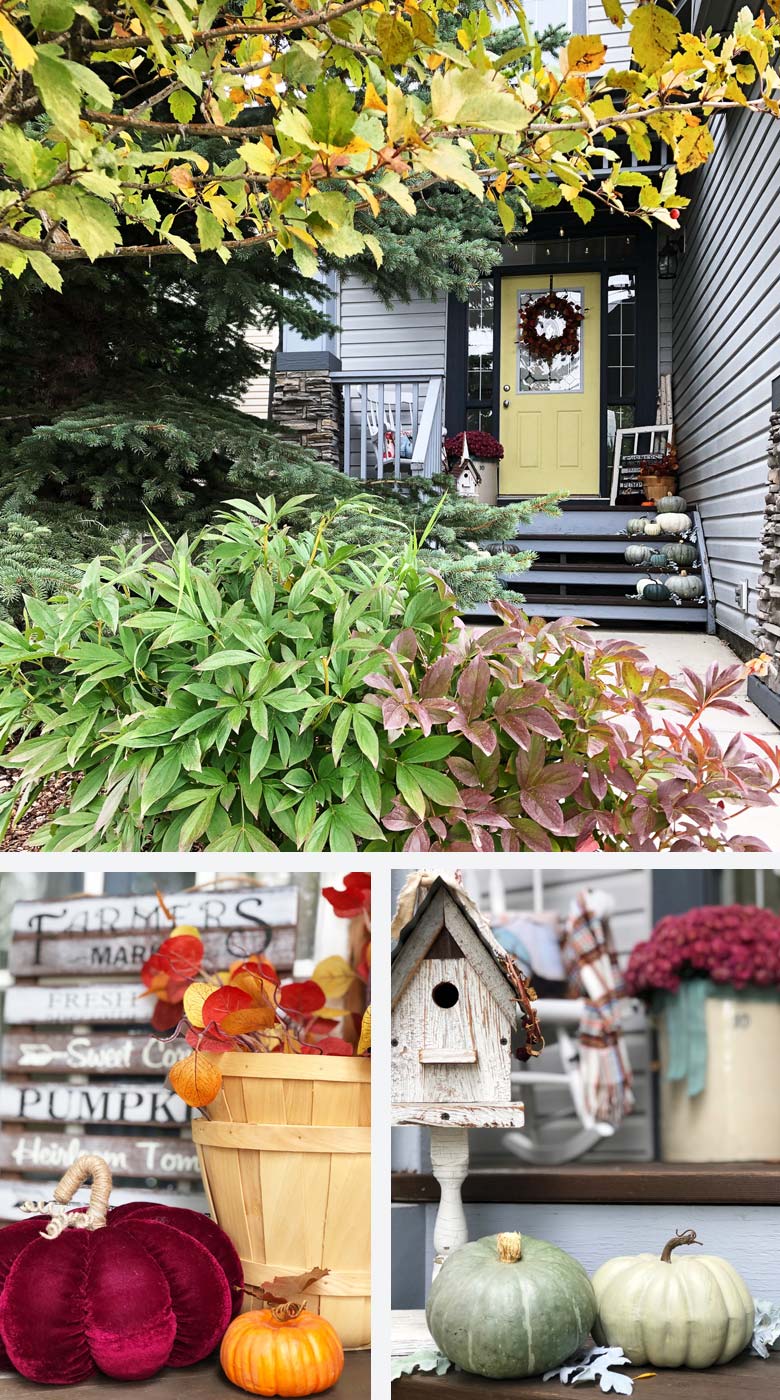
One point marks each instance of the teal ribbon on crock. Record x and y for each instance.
(686, 1026)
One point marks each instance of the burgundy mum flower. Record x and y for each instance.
(735, 944)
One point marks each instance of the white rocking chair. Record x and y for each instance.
(395, 438)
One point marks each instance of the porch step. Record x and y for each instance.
(580, 571)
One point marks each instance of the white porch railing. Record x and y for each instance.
(393, 425)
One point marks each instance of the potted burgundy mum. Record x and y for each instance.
(712, 979)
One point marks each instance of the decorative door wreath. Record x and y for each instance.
(539, 309)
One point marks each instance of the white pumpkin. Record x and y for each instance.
(673, 1311)
(652, 528)
(674, 523)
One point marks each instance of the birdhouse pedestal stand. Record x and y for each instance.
(456, 1004)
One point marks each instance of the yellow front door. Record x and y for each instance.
(551, 413)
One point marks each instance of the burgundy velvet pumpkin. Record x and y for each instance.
(124, 1292)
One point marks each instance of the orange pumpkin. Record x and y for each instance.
(282, 1351)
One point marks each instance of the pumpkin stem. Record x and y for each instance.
(94, 1217)
(682, 1237)
(510, 1248)
(287, 1312)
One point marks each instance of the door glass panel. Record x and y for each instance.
(562, 375)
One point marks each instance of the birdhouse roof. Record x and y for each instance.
(476, 941)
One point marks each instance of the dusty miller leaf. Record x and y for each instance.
(766, 1329)
(427, 1359)
(594, 1364)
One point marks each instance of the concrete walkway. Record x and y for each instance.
(673, 650)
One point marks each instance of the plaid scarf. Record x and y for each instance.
(592, 968)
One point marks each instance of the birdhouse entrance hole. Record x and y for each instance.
(445, 994)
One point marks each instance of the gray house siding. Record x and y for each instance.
(616, 40)
(727, 351)
(408, 336)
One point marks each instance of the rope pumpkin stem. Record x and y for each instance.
(682, 1237)
(94, 1217)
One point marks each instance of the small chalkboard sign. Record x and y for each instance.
(634, 449)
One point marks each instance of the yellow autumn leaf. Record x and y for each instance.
(184, 930)
(22, 54)
(196, 1080)
(694, 148)
(194, 998)
(584, 53)
(654, 33)
(364, 1043)
(372, 100)
(334, 975)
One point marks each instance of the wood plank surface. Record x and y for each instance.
(119, 1102)
(168, 1159)
(202, 1382)
(746, 1377)
(93, 1053)
(120, 1003)
(629, 1183)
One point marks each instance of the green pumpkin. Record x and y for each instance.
(658, 560)
(685, 585)
(637, 554)
(637, 525)
(672, 503)
(642, 584)
(509, 1306)
(680, 553)
(656, 592)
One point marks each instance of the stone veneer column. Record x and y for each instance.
(308, 404)
(768, 606)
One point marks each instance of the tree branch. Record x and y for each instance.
(200, 129)
(244, 31)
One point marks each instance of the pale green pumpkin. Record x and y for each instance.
(680, 553)
(685, 585)
(693, 1310)
(637, 525)
(637, 554)
(509, 1306)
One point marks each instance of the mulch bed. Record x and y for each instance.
(54, 794)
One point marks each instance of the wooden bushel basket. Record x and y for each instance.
(285, 1157)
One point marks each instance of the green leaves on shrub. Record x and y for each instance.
(268, 686)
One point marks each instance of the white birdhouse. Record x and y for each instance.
(467, 477)
(459, 1002)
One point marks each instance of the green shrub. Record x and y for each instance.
(266, 688)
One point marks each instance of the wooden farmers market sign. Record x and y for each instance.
(76, 937)
(82, 1070)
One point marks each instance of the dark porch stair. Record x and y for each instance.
(580, 571)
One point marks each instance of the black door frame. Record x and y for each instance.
(644, 264)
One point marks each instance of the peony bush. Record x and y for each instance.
(265, 687)
(735, 944)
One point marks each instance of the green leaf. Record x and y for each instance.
(53, 15)
(430, 750)
(210, 230)
(371, 790)
(366, 736)
(410, 789)
(470, 96)
(90, 221)
(330, 107)
(449, 162)
(182, 105)
(160, 779)
(437, 786)
(395, 38)
(340, 731)
(198, 821)
(220, 659)
(263, 595)
(60, 97)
